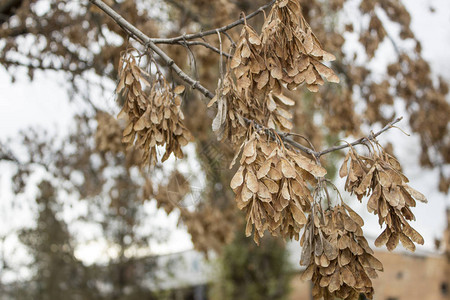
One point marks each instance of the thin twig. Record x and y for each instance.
(139, 35)
(360, 140)
(212, 31)
(204, 44)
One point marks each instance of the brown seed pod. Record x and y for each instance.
(390, 196)
(339, 261)
(271, 186)
(153, 118)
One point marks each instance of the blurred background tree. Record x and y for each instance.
(243, 266)
(83, 45)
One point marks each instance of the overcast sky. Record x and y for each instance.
(44, 102)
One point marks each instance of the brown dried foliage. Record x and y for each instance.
(154, 117)
(292, 52)
(338, 258)
(391, 198)
(271, 187)
(285, 53)
(209, 227)
(272, 182)
(108, 137)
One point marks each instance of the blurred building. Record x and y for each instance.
(188, 279)
(422, 275)
(407, 276)
(417, 276)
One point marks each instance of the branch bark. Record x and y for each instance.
(361, 140)
(200, 43)
(147, 41)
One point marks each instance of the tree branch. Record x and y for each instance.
(148, 42)
(361, 140)
(204, 44)
(213, 31)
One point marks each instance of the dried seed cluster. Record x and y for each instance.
(293, 53)
(271, 182)
(108, 137)
(234, 112)
(210, 228)
(339, 261)
(390, 196)
(270, 185)
(153, 118)
(286, 53)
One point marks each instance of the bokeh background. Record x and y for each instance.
(79, 219)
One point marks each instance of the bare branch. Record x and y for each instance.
(204, 44)
(360, 140)
(8, 157)
(139, 35)
(213, 31)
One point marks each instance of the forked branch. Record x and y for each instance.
(147, 41)
(151, 43)
(213, 31)
(361, 140)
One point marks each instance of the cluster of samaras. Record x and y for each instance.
(286, 53)
(271, 186)
(339, 260)
(276, 185)
(390, 198)
(153, 116)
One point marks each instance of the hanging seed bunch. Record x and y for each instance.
(209, 227)
(108, 137)
(233, 113)
(391, 198)
(286, 53)
(292, 52)
(253, 96)
(256, 94)
(339, 261)
(249, 67)
(228, 122)
(271, 187)
(154, 118)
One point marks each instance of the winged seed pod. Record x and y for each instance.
(292, 52)
(339, 261)
(391, 198)
(286, 53)
(270, 186)
(234, 112)
(256, 95)
(153, 118)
